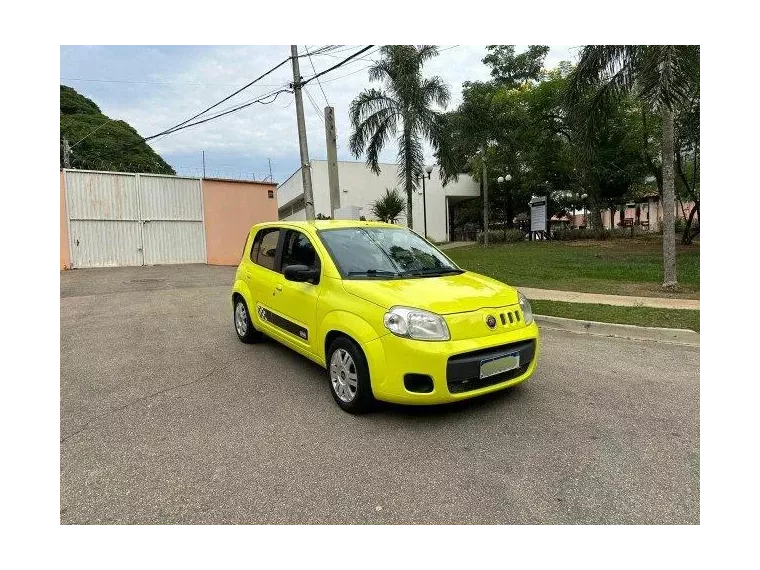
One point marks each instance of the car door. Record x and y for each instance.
(260, 276)
(293, 302)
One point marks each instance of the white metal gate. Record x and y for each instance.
(134, 219)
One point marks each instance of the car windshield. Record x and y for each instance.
(384, 253)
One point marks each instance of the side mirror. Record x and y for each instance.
(300, 273)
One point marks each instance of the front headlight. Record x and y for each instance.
(526, 310)
(416, 324)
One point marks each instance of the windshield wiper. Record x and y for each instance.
(433, 271)
(373, 272)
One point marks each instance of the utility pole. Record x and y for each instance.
(308, 195)
(270, 169)
(485, 197)
(332, 159)
(66, 154)
(203, 157)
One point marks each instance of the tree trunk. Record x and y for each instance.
(409, 183)
(595, 220)
(613, 210)
(510, 210)
(688, 236)
(670, 280)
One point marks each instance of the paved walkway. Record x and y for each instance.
(620, 300)
(453, 244)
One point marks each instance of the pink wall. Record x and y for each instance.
(65, 259)
(230, 208)
(631, 213)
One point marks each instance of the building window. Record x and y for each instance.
(270, 193)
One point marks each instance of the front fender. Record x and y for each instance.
(348, 323)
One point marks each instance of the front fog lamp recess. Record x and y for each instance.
(416, 324)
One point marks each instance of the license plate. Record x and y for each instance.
(498, 365)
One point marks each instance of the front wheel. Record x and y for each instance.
(243, 325)
(349, 376)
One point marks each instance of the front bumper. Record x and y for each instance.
(453, 366)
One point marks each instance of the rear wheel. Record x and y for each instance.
(243, 325)
(349, 376)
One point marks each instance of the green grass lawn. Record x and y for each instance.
(616, 267)
(641, 316)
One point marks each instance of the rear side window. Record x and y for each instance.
(265, 247)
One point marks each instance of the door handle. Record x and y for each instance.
(278, 287)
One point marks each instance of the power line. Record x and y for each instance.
(223, 100)
(92, 132)
(347, 74)
(274, 96)
(314, 105)
(187, 123)
(314, 70)
(336, 66)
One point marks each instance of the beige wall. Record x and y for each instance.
(65, 260)
(230, 209)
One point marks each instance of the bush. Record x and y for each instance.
(680, 225)
(567, 234)
(503, 236)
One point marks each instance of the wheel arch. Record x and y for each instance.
(342, 323)
(241, 290)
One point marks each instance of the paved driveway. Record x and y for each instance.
(167, 418)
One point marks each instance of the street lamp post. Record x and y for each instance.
(428, 171)
(585, 220)
(501, 180)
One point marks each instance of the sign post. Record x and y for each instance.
(538, 218)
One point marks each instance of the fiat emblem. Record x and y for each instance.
(491, 321)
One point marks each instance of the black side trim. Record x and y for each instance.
(283, 323)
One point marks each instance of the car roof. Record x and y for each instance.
(329, 224)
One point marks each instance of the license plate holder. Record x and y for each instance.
(499, 364)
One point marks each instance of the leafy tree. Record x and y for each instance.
(664, 77)
(512, 70)
(524, 131)
(100, 143)
(608, 153)
(403, 108)
(388, 207)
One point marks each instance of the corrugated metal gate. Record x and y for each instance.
(134, 219)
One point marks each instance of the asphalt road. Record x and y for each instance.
(167, 418)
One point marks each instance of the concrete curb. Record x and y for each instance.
(672, 336)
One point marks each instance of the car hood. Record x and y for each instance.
(443, 295)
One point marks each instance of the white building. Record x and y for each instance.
(360, 187)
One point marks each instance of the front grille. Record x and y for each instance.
(467, 385)
(463, 370)
(512, 316)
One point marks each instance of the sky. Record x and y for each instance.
(155, 87)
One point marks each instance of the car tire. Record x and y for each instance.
(348, 374)
(241, 320)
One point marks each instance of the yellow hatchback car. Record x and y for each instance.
(386, 313)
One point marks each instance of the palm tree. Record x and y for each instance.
(388, 207)
(403, 108)
(663, 77)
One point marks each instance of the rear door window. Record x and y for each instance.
(264, 250)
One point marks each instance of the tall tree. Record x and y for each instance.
(512, 70)
(403, 108)
(664, 77)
